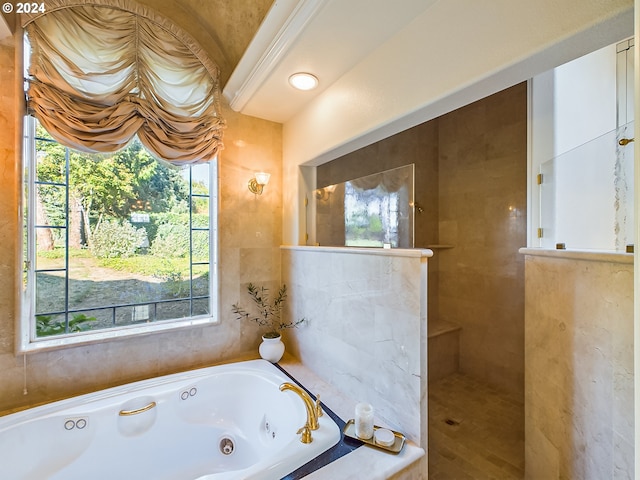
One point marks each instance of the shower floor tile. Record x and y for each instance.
(475, 432)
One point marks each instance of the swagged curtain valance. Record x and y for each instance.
(390, 180)
(103, 70)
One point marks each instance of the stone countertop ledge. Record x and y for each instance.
(388, 252)
(380, 465)
(587, 255)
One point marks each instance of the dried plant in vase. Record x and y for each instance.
(269, 312)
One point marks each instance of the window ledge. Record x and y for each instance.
(87, 338)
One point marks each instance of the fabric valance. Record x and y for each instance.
(102, 71)
(390, 180)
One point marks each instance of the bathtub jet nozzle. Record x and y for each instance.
(226, 446)
(312, 411)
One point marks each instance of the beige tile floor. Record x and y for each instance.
(475, 431)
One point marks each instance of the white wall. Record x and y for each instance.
(584, 99)
(584, 110)
(573, 144)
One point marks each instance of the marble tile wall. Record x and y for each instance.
(250, 236)
(9, 223)
(366, 326)
(470, 181)
(579, 407)
(482, 214)
(417, 145)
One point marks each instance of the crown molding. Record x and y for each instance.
(281, 27)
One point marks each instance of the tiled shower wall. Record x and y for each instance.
(470, 168)
(365, 329)
(579, 400)
(482, 214)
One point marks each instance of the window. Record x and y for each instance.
(114, 243)
(117, 243)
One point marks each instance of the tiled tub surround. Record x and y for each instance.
(579, 420)
(343, 461)
(364, 463)
(202, 424)
(366, 327)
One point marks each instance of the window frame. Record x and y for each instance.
(27, 340)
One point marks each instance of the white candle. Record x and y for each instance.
(364, 421)
(385, 437)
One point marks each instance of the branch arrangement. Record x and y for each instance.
(269, 312)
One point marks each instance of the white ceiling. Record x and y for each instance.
(323, 37)
(385, 66)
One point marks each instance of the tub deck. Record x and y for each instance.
(409, 464)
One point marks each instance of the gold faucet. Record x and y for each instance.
(313, 411)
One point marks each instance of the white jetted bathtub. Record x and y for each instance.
(224, 422)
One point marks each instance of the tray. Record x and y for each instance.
(350, 431)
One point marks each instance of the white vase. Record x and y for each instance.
(271, 349)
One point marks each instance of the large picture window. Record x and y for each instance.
(117, 241)
(114, 243)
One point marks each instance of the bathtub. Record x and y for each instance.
(223, 422)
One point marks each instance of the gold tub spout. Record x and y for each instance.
(312, 411)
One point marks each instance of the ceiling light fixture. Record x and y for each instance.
(303, 81)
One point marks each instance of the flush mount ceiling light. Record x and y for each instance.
(303, 81)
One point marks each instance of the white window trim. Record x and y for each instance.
(27, 342)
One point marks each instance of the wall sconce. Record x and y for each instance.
(325, 193)
(257, 183)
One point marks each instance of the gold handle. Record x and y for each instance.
(126, 413)
(625, 141)
(318, 406)
(306, 434)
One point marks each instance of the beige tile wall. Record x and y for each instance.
(482, 213)
(9, 221)
(418, 146)
(365, 332)
(250, 236)
(579, 408)
(470, 168)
